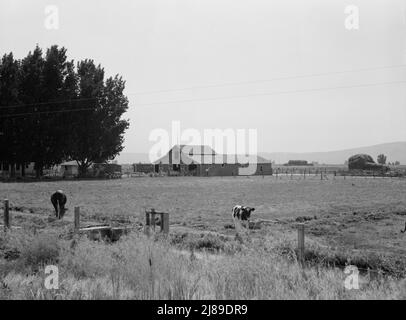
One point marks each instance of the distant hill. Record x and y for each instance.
(395, 151)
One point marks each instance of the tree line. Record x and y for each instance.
(53, 110)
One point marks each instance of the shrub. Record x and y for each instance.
(211, 242)
(32, 250)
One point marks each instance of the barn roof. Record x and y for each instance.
(195, 153)
(189, 153)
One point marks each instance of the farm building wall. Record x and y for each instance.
(212, 170)
(202, 170)
(69, 170)
(264, 169)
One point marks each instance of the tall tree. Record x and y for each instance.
(9, 99)
(47, 84)
(50, 111)
(381, 159)
(97, 133)
(56, 94)
(31, 94)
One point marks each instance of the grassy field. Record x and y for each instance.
(188, 198)
(205, 203)
(356, 220)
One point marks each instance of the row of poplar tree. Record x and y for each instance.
(53, 110)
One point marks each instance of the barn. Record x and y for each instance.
(202, 160)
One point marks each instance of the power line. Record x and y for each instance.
(223, 98)
(10, 115)
(271, 93)
(269, 80)
(209, 86)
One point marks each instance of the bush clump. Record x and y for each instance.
(31, 250)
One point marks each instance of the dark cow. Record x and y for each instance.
(58, 200)
(242, 214)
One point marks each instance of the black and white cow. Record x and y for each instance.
(242, 214)
(58, 200)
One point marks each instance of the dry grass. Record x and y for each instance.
(140, 268)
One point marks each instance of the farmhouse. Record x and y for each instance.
(201, 160)
(69, 169)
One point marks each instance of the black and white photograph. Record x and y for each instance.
(215, 152)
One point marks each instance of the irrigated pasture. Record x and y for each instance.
(354, 212)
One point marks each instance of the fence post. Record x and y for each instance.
(165, 222)
(147, 222)
(152, 218)
(301, 242)
(146, 218)
(76, 220)
(6, 215)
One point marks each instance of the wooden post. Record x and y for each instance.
(76, 219)
(147, 222)
(301, 242)
(152, 218)
(165, 222)
(6, 215)
(147, 218)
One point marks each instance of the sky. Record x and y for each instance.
(290, 69)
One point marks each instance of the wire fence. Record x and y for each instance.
(331, 172)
